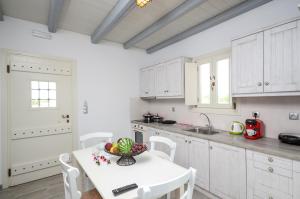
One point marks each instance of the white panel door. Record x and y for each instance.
(40, 107)
(227, 171)
(147, 82)
(182, 150)
(247, 64)
(174, 73)
(282, 60)
(199, 159)
(160, 81)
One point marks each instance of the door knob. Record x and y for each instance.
(267, 83)
(259, 84)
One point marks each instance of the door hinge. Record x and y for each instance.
(8, 68)
(9, 172)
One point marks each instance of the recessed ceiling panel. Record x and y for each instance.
(30, 10)
(140, 18)
(203, 12)
(83, 16)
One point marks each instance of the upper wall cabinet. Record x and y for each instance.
(164, 80)
(247, 64)
(282, 58)
(147, 83)
(267, 63)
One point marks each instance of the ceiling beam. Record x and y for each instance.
(1, 13)
(54, 14)
(222, 17)
(163, 21)
(112, 19)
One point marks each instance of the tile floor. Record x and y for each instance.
(47, 188)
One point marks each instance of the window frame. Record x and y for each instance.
(212, 59)
(43, 108)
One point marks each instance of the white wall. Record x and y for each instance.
(107, 74)
(274, 110)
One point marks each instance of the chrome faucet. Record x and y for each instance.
(209, 126)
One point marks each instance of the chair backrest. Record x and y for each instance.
(70, 175)
(102, 136)
(158, 190)
(166, 141)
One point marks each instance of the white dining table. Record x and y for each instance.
(148, 170)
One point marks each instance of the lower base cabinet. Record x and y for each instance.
(227, 171)
(296, 179)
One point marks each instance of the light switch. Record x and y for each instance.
(294, 116)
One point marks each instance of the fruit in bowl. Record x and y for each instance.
(138, 148)
(108, 146)
(125, 145)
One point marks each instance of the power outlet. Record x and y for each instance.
(255, 114)
(294, 116)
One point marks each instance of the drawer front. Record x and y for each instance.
(274, 178)
(273, 160)
(265, 193)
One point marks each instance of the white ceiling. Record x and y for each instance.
(83, 16)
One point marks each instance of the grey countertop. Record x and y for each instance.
(264, 145)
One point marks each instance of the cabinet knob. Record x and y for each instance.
(210, 147)
(270, 159)
(270, 169)
(185, 141)
(267, 83)
(146, 92)
(270, 197)
(259, 84)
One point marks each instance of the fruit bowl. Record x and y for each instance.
(126, 149)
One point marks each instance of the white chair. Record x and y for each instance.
(165, 141)
(101, 136)
(158, 190)
(85, 141)
(70, 175)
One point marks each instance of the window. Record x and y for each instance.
(214, 81)
(43, 94)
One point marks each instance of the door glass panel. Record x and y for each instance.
(204, 81)
(43, 94)
(223, 94)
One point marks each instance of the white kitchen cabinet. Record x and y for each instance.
(147, 82)
(269, 176)
(227, 171)
(296, 178)
(281, 58)
(182, 150)
(170, 79)
(267, 63)
(247, 64)
(199, 160)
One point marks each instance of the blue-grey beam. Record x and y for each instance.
(54, 14)
(163, 21)
(222, 17)
(1, 13)
(122, 8)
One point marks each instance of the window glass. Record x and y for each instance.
(223, 95)
(204, 81)
(43, 94)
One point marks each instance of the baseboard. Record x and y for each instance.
(206, 193)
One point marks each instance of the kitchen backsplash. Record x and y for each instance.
(274, 111)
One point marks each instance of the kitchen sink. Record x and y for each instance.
(202, 131)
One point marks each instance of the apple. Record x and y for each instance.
(108, 146)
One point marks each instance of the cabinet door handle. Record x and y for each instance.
(259, 84)
(210, 147)
(190, 142)
(270, 159)
(267, 83)
(270, 169)
(185, 141)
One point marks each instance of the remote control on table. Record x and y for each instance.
(124, 189)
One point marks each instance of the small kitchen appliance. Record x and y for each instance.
(237, 128)
(255, 129)
(148, 118)
(290, 138)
